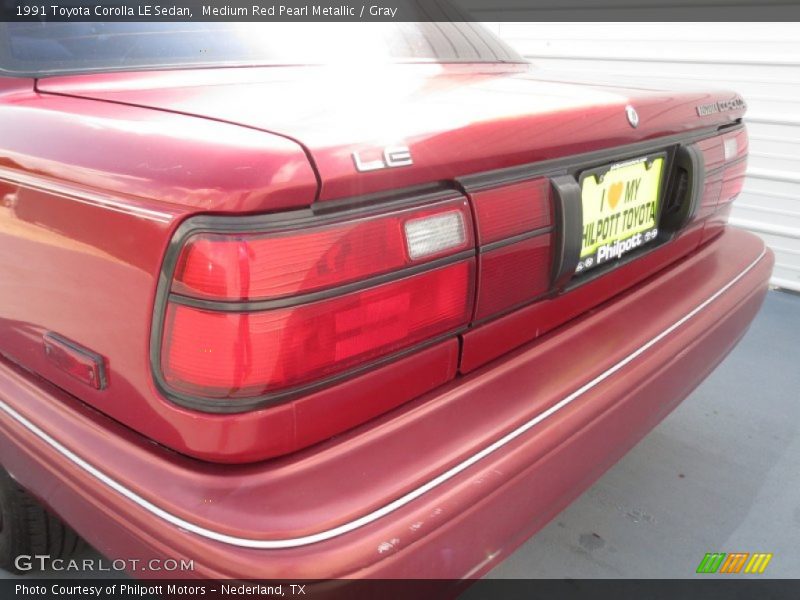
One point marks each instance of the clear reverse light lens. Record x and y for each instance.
(431, 235)
(731, 148)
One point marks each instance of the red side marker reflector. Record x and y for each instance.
(79, 362)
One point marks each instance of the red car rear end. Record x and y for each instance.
(323, 321)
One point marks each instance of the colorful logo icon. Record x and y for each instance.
(735, 562)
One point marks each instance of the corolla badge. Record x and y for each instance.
(392, 156)
(735, 103)
(633, 116)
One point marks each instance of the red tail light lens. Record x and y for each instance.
(515, 258)
(514, 209)
(735, 147)
(234, 354)
(725, 158)
(732, 182)
(285, 263)
(713, 152)
(514, 274)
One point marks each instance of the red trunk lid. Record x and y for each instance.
(454, 119)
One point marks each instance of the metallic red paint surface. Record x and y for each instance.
(97, 171)
(463, 526)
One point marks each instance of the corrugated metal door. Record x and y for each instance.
(759, 60)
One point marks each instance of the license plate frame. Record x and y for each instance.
(603, 241)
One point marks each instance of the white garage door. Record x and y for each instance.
(759, 60)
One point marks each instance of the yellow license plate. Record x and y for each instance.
(620, 209)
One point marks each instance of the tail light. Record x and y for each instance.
(514, 274)
(735, 146)
(515, 232)
(262, 313)
(512, 210)
(725, 158)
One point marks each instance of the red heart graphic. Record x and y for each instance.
(614, 194)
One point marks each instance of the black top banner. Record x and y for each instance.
(400, 10)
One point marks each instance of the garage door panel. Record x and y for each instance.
(787, 259)
(786, 132)
(781, 203)
(749, 211)
(651, 32)
(771, 186)
(769, 160)
(773, 145)
(673, 71)
(696, 51)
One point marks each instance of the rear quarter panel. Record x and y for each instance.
(90, 194)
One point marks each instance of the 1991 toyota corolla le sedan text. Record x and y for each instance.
(330, 302)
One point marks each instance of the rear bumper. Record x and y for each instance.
(443, 487)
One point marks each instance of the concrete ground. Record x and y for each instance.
(720, 474)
